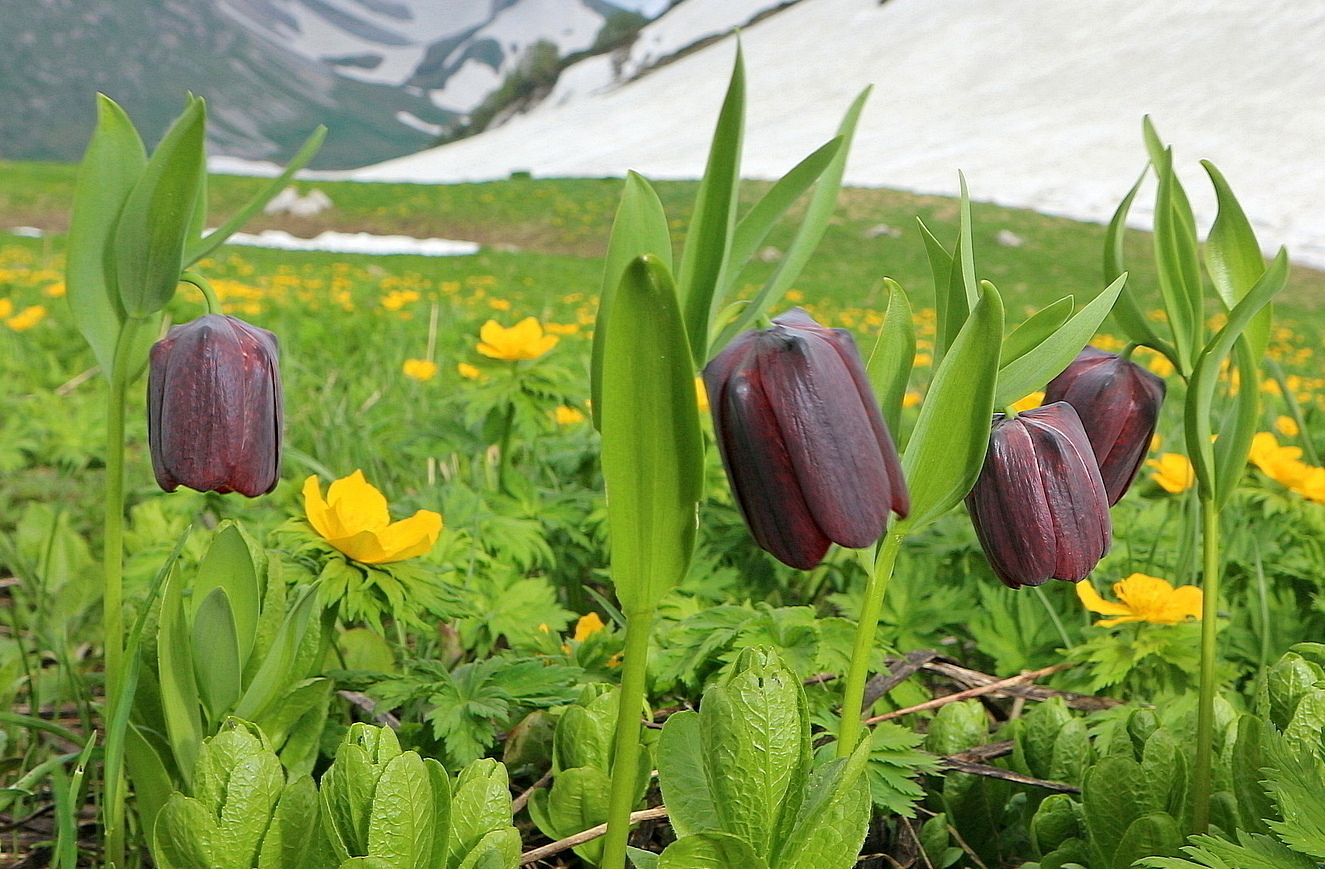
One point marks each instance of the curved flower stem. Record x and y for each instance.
(209, 297)
(853, 695)
(1202, 778)
(113, 571)
(625, 755)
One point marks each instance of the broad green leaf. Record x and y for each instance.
(201, 247)
(152, 784)
(947, 446)
(1205, 379)
(832, 822)
(255, 787)
(114, 160)
(402, 825)
(1113, 797)
(1155, 835)
(147, 250)
(894, 354)
(280, 718)
(481, 804)
(499, 849)
(1036, 367)
(1035, 330)
(704, 257)
(642, 859)
(685, 787)
(216, 662)
(346, 799)
(276, 673)
(179, 690)
(1127, 312)
(1253, 804)
(652, 454)
(1233, 258)
(940, 269)
(577, 801)
(1241, 418)
(823, 202)
(294, 825)
(755, 737)
(640, 228)
(711, 850)
(755, 226)
(187, 838)
(228, 564)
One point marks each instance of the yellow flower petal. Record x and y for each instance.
(410, 537)
(354, 519)
(587, 626)
(1090, 598)
(356, 505)
(1173, 472)
(316, 508)
(524, 340)
(1144, 599)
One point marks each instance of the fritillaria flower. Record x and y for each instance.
(1143, 599)
(801, 437)
(214, 407)
(1118, 402)
(1039, 505)
(354, 519)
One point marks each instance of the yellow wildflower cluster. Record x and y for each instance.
(1284, 465)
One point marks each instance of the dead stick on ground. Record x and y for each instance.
(519, 802)
(588, 835)
(969, 693)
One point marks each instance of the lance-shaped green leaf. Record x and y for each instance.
(754, 227)
(1036, 367)
(114, 161)
(1233, 258)
(402, 826)
(229, 564)
(831, 825)
(1034, 330)
(147, 249)
(1177, 262)
(940, 269)
(216, 660)
(640, 228)
(1205, 379)
(200, 247)
(179, 688)
(681, 775)
(709, 239)
(652, 453)
(894, 354)
(947, 446)
(279, 668)
(1127, 312)
(808, 234)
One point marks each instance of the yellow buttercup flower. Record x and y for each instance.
(524, 340)
(469, 372)
(910, 399)
(354, 519)
(6, 307)
(1287, 426)
(1284, 465)
(1143, 599)
(27, 318)
(587, 626)
(1030, 402)
(567, 415)
(420, 369)
(1173, 472)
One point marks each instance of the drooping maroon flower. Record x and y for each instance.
(214, 407)
(802, 440)
(1118, 402)
(1039, 505)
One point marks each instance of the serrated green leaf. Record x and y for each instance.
(346, 797)
(1072, 753)
(712, 850)
(681, 775)
(1036, 367)
(947, 446)
(481, 805)
(255, 786)
(200, 247)
(289, 840)
(499, 849)
(114, 160)
(652, 453)
(1113, 798)
(894, 353)
(1056, 821)
(640, 228)
(187, 838)
(708, 240)
(831, 824)
(147, 248)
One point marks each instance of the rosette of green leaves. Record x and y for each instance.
(740, 783)
(581, 765)
(243, 813)
(384, 807)
(226, 645)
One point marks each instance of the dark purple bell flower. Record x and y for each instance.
(1118, 402)
(214, 407)
(1039, 505)
(805, 447)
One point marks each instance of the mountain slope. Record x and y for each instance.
(1039, 102)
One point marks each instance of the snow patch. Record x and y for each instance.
(357, 242)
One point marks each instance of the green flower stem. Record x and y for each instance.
(1202, 778)
(113, 571)
(625, 756)
(853, 696)
(504, 440)
(209, 297)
